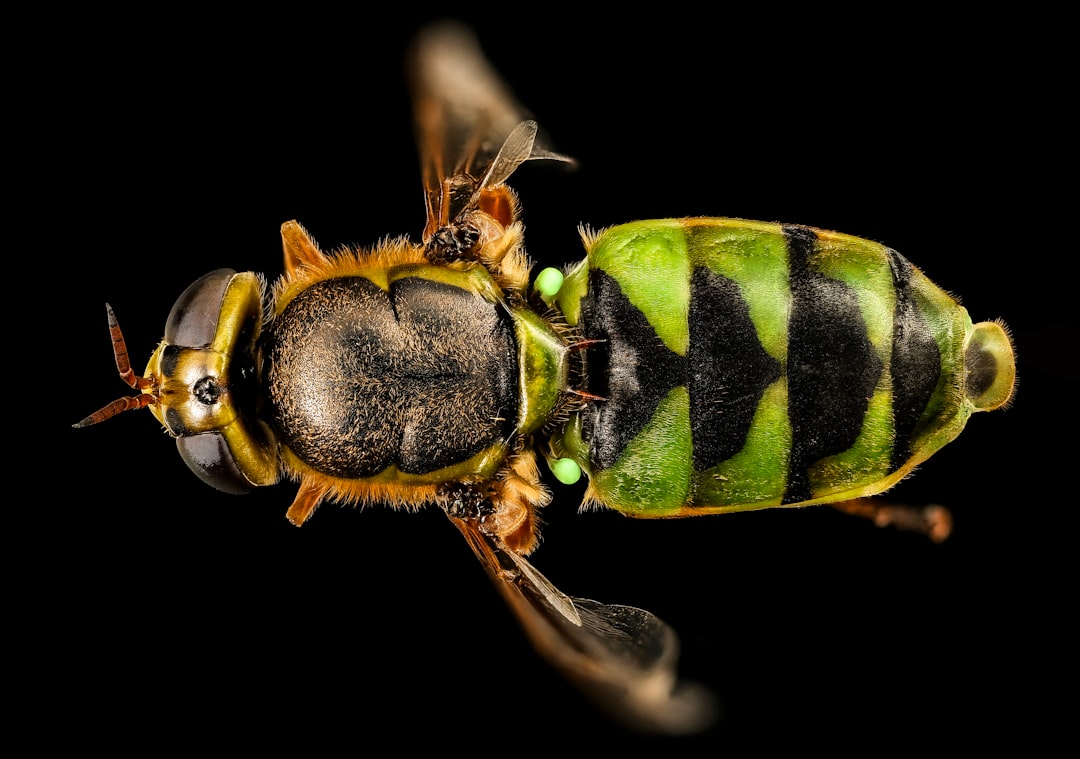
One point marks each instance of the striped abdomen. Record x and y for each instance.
(746, 365)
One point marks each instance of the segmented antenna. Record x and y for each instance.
(123, 365)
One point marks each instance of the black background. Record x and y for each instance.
(162, 613)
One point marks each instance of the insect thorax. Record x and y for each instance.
(419, 376)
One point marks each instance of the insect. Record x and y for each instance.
(685, 366)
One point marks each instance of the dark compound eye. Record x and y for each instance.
(193, 321)
(208, 456)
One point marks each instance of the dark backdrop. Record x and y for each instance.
(181, 146)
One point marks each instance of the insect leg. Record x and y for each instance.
(933, 521)
(504, 507)
(308, 498)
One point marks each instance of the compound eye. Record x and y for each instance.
(208, 456)
(193, 321)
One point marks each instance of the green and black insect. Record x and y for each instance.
(685, 366)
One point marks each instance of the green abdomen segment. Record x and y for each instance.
(747, 365)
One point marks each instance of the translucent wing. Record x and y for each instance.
(472, 134)
(623, 658)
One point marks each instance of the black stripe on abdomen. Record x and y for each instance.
(728, 369)
(629, 366)
(833, 368)
(916, 361)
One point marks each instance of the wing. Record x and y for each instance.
(623, 658)
(472, 134)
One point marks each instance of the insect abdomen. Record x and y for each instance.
(747, 365)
